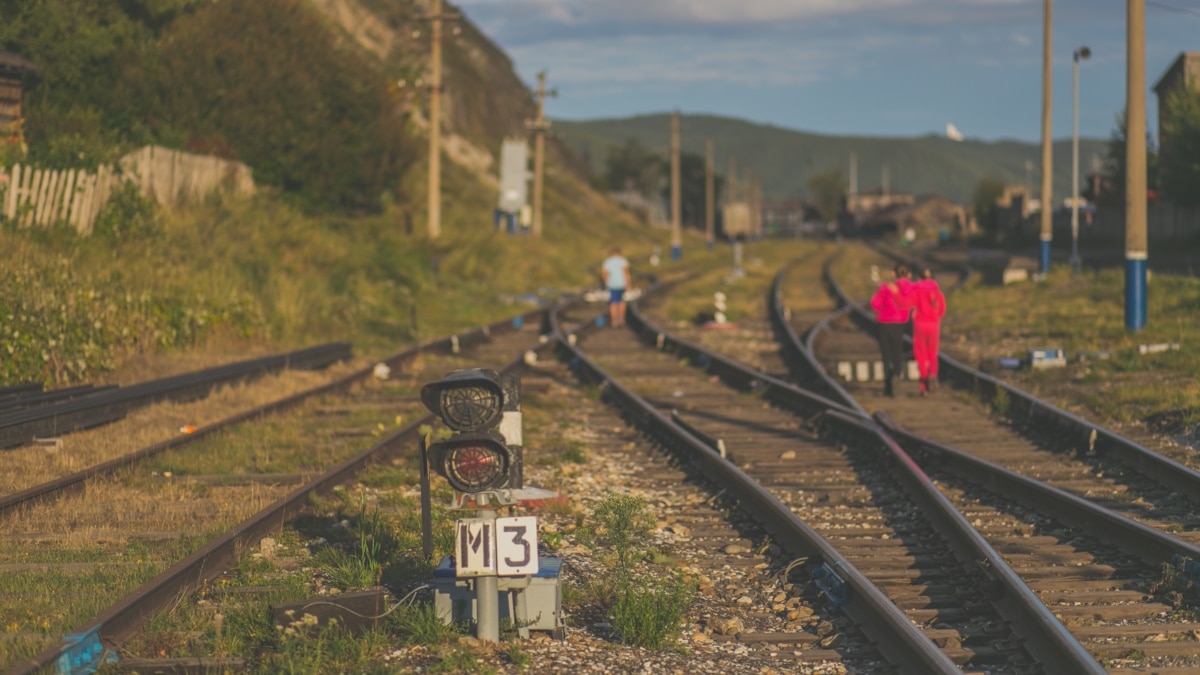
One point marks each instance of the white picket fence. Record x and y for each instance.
(39, 197)
(33, 197)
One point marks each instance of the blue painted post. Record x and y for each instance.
(1135, 291)
(676, 252)
(1044, 263)
(1136, 235)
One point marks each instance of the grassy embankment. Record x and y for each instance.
(238, 276)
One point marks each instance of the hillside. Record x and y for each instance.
(325, 101)
(784, 159)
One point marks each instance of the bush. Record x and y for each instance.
(648, 612)
(622, 524)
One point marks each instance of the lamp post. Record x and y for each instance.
(1081, 54)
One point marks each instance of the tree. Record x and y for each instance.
(829, 192)
(1112, 188)
(1179, 155)
(983, 202)
(691, 192)
(632, 167)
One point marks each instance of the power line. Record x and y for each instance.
(1172, 8)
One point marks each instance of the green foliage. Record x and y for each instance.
(517, 656)
(421, 625)
(983, 202)
(621, 523)
(58, 325)
(1112, 192)
(127, 215)
(648, 610)
(829, 191)
(268, 82)
(631, 166)
(1180, 156)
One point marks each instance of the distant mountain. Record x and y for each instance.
(785, 159)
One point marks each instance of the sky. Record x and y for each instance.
(846, 67)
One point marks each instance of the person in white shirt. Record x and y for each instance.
(615, 271)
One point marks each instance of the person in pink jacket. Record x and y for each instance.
(891, 306)
(929, 306)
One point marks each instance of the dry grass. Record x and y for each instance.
(31, 465)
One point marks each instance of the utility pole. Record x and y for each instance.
(886, 180)
(676, 216)
(853, 173)
(709, 193)
(1047, 142)
(539, 126)
(1136, 248)
(435, 117)
(731, 190)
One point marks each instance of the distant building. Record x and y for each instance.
(1183, 74)
(862, 202)
(929, 217)
(14, 71)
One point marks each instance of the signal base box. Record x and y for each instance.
(532, 603)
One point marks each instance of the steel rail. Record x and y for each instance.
(1047, 638)
(1030, 411)
(22, 426)
(115, 625)
(896, 637)
(1137, 539)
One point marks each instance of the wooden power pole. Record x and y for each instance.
(1136, 240)
(709, 196)
(1047, 199)
(676, 200)
(435, 117)
(539, 126)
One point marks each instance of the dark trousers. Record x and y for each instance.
(891, 343)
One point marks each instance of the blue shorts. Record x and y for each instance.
(616, 294)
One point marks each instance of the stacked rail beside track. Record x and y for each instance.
(110, 404)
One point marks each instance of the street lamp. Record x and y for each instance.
(1083, 53)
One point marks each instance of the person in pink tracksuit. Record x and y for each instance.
(929, 306)
(891, 312)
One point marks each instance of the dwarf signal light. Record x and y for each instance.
(475, 403)
(472, 462)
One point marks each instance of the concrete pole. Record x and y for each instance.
(539, 154)
(435, 121)
(709, 194)
(1136, 248)
(487, 598)
(731, 189)
(1076, 264)
(1047, 141)
(853, 173)
(676, 200)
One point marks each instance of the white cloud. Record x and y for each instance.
(676, 60)
(1022, 40)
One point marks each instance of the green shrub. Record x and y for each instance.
(621, 523)
(648, 611)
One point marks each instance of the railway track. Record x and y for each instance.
(120, 541)
(871, 508)
(1122, 565)
(1103, 531)
(887, 573)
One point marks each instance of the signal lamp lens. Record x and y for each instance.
(470, 407)
(474, 466)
